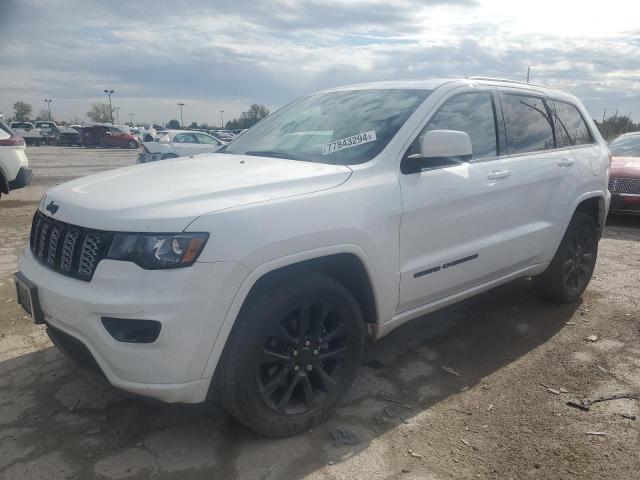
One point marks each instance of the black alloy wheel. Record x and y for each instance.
(301, 359)
(292, 354)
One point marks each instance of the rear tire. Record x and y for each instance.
(570, 271)
(132, 144)
(292, 355)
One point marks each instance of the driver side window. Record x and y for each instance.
(472, 113)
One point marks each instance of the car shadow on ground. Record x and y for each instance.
(52, 407)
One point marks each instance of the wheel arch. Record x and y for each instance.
(347, 264)
(595, 205)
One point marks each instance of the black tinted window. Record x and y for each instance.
(570, 126)
(528, 124)
(471, 113)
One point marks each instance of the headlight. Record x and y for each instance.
(153, 251)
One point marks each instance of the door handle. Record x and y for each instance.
(565, 162)
(497, 174)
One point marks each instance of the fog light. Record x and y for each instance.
(132, 330)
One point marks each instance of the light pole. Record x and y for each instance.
(528, 73)
(221, 119)
(181, 122)
(131, 115)
(109, 92)
(117, 109)
(48, 102)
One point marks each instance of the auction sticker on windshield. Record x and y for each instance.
(349, 142)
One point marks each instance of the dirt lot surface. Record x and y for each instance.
(477, 390)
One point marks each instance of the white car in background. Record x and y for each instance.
(14, 166)
(26, 130)
(178, 143)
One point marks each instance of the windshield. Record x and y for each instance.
(626, 146)
(342, 128)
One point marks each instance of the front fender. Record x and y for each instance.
(270, 266)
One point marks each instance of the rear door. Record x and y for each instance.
(544, 174)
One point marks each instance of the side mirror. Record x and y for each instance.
(439, 148)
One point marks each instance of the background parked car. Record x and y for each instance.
(178, 143)
(49, 131)
(106, 136)
(14, 166)
(26, 130)
(225, 136)
(624, 176)
(68, 136)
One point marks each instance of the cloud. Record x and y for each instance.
(220, 55)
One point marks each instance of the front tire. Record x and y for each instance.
(292, 355)
(570, 271)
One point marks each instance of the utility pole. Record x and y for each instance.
(528, 73)
(48, 102)
(131, 115)
(109, 92)
(181, 122)
(221, 119)
(604, 114)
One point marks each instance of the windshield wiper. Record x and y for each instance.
(273, 154)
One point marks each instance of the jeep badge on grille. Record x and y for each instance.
(52, 207)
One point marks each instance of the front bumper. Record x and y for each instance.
(625, 204)
(22, 179)
(190, 303)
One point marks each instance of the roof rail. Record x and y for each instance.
(506, 80)
(494, 79)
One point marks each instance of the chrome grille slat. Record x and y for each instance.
(67, 249)
(624, 185)
(53, 245)
(88, 254)
(43, 238)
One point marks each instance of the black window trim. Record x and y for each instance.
(492, 92)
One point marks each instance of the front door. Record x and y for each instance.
(185, 144)
(457, 216)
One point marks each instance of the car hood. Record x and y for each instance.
(625, 167)
(167, 196)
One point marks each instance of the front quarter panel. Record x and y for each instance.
(360, 217)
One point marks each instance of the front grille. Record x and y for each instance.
(624, 185)
(70, 250)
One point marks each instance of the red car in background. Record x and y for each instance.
(624, 176)
(106, 136)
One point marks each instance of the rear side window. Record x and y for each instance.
(528, 124)
(471, 113)
(570, 126)
(207, 139)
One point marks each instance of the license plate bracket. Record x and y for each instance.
(27, 296)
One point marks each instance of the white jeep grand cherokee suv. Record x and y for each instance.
(257, 276)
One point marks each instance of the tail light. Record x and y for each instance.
(12, 141)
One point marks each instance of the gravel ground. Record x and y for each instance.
(477, 390)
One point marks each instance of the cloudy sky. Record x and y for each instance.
(224, 55)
